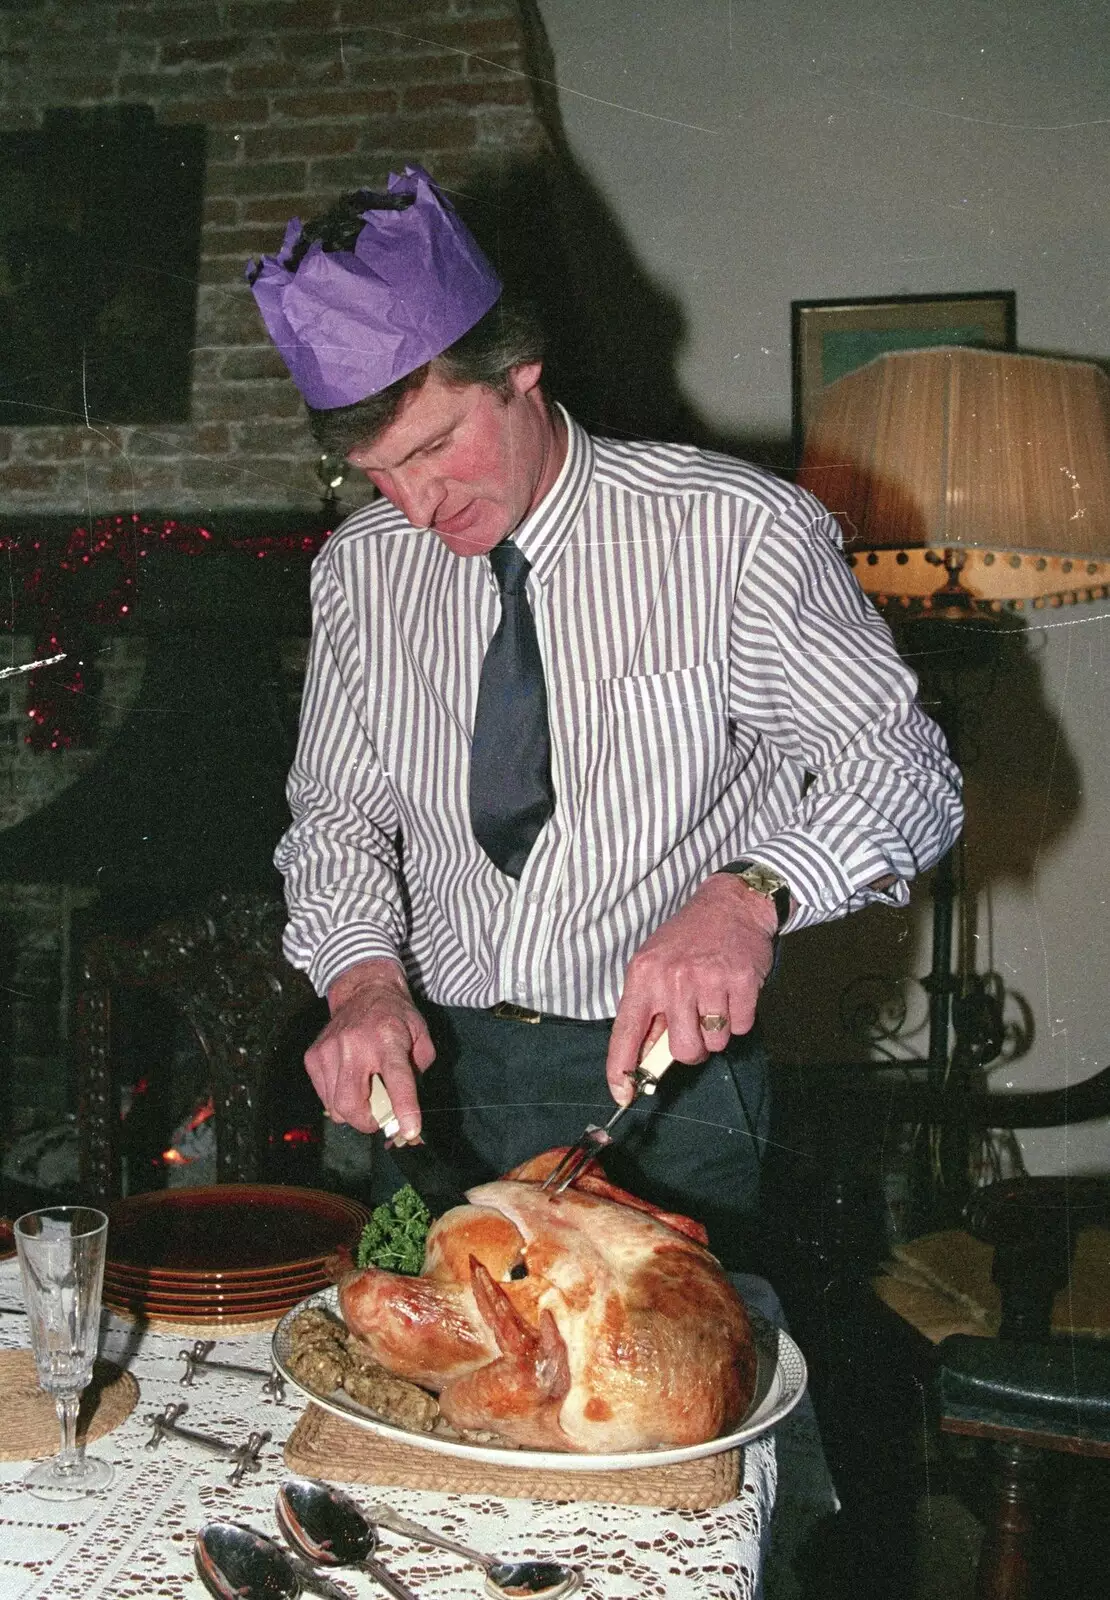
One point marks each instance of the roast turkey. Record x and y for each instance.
(584, 1321)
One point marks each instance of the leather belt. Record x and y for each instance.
(508, 1011)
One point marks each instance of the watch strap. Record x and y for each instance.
(765, 881)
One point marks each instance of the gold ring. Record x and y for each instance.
(714, 1023)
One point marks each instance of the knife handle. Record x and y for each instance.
(381, 1108)
(655, 1063)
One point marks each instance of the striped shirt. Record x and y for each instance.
(718, 687)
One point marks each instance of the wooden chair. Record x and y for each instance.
(871, 1355)
(221, 968)
(1041, 1386)
(1017, 1305)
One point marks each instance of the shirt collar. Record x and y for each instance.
(544, 532)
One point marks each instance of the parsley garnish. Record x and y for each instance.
(395, 1235)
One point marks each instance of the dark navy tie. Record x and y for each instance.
(511, 796)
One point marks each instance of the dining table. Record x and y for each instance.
(136, 1538)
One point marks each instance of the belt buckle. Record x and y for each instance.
(506, 1011)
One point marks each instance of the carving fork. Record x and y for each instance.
(645, 1080)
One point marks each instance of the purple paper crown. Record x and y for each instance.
(348, 323)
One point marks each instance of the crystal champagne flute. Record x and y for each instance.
(61, 1260)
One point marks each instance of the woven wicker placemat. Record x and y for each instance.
(322, 1445)
(28, 1421)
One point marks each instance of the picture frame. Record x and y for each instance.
(830, 338)
(101, 211)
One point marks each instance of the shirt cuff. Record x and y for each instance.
(823, 888)
(345, 948)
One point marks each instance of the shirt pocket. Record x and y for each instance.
(655, 757)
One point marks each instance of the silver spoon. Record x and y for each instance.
(331, 1529)
(235, 1563)
(313, 1535)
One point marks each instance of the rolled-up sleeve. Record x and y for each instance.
(815, 669)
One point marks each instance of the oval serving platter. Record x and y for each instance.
(780, 1384)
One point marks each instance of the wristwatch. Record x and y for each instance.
(765, 881)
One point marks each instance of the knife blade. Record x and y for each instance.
(419, 1165)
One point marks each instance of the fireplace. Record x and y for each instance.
(189, 1045)
(175, 795)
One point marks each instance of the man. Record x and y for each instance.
(588, 778)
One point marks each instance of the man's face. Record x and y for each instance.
(465, 462)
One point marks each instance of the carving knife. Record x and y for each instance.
(434, 1181)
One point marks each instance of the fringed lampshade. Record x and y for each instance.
(968, 479)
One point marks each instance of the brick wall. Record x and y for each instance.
(302, 99)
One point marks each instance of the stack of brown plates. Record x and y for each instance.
(237, 1252)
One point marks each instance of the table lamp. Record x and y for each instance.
(968, 479)
(970, 485)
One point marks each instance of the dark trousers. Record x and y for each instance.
(502, 1091)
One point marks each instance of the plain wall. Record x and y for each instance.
(754, 154)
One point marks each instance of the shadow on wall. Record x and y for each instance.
(853, 983)
(1021, 777)
(615, 336)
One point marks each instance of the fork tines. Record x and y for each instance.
(575, 1160)
(581, 1153)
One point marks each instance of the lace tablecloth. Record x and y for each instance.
(135, 1542)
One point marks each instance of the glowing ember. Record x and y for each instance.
(207, 1110)
(175, 1156)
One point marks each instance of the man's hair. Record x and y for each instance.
(508, 336)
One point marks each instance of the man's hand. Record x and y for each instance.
(374, 1028)
(709, 960)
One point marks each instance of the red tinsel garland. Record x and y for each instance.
(57, 695)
